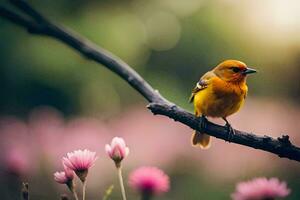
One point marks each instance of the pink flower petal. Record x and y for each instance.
(260, 188)
(80, 160)
(117, 151)
(150, 180)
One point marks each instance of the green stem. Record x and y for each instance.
(121, 183)
(71, 187)
(75, 195)
(146, 196)
(83, 190)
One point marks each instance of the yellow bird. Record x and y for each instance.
(219, 93)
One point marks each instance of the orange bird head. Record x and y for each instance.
(233, 71)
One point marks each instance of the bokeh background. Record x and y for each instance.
(54, 101)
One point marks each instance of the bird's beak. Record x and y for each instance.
(249, 71)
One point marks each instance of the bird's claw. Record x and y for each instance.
(203, 122)
(231, 132)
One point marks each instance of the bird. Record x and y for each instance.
(219, 93)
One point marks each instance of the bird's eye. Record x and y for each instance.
(235, 69)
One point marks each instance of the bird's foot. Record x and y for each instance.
(203, 122)
(231, 132)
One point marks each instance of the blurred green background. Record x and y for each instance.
(171, 43)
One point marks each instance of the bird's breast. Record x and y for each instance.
(220, 99)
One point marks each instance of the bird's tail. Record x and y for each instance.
(201, 140)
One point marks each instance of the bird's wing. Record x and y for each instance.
(201, 84)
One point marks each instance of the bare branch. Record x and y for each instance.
(16, 19)
(27, 9)
(158, 104)
(87, 49)
(280, 146)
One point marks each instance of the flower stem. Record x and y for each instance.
(71, 187)
(146, 196)
(121, 183)
(83, 190)
(75, 194)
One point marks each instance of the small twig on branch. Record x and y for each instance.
(158, 104)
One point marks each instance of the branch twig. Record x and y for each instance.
(158, 104)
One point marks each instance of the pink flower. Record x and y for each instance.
(80, 161)
(117, 151)
(65, 177)
(61, 177)
(259, 189)
(68, 172)
(149, 180)
(17, 162)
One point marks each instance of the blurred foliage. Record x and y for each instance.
(170, 42)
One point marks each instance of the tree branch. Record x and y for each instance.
(158, 104)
